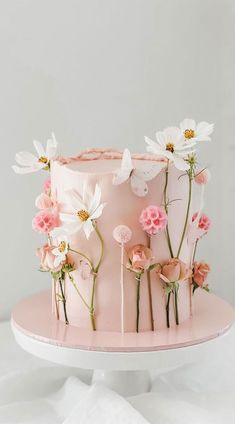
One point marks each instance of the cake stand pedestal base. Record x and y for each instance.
(121, 361)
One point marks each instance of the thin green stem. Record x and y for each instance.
(168, 310)
(166, 210)
(84, 256)
(176, 305)
(78, 291)
(138, 280)
(194, 252)
(190, 176)
(63, 300)
(96, 270)
(150, 290)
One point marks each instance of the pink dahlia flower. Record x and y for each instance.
(204, 222)
(153, 219)
(44, 221)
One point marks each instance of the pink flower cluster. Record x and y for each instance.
(44, 221)
(204, 222)
(153, 219)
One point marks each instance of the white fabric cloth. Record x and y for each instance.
(38, 392)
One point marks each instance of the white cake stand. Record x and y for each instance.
(121, 361)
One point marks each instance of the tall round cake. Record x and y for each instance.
(123, 230)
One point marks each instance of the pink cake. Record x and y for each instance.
(122, 231)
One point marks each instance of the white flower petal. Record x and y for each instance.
(27, 170)
(154, 147)
(161, 139)
(204, 128)
(95, 200)
(56, 251)
(172, 134)
(180, 164)
(58, 260)
(88, 228)
(25, 159)
(68, 217)
(75, 200)
(51, 148)
(188, 124)
(39, 148)
(98, 212)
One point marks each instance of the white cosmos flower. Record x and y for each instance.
(196, 132)
(60, 252)
(172, 146)
(31, 163)
(85, 211)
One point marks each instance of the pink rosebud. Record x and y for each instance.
(173, 271)
(47, 186)
(153, 219)
(202, 177)
(200, 272)
(122, 234)
(204, 222)
(47, 259)
(44, 221)
(43, 201)
(140, 257)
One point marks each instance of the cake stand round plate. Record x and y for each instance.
(116, 357)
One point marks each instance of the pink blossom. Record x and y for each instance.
(122, 234)
(153, 219)
(47, 258)
(47, 186)
(173, 271)
(43, 201)
(202, 177)
(140, 257)
(200, 272)
(204, 222)
(44, 221)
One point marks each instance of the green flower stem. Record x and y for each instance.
(78, 291)
(150, 290)
(176, 305)
(194, 251)
(55, 299)
(96, 270)
(63, 300)
(138, 280)
(166, 210)
(190, 176)
(84, 256)
(168, 310)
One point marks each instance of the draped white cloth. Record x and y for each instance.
(38, 392)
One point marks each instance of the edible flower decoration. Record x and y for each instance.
(200, 273)
(196, 132)
(171, 145)
(31, 163)
(138, 176)
(60, 252)
(153, 219)
(172, 272)
(86, 210)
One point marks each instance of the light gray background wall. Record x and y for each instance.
(105, 73)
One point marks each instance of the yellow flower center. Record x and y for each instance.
(62, 246)
(43, 159)
(170, 147)
(189, 134)
(83, 215)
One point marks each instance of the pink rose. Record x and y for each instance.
(174, 270)
(47, 259)
(200, 272)
(202, 177)
(140, 257)
(204, 222)
(44, 221)
(43, 201)
(153, 219)
(47, 186)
